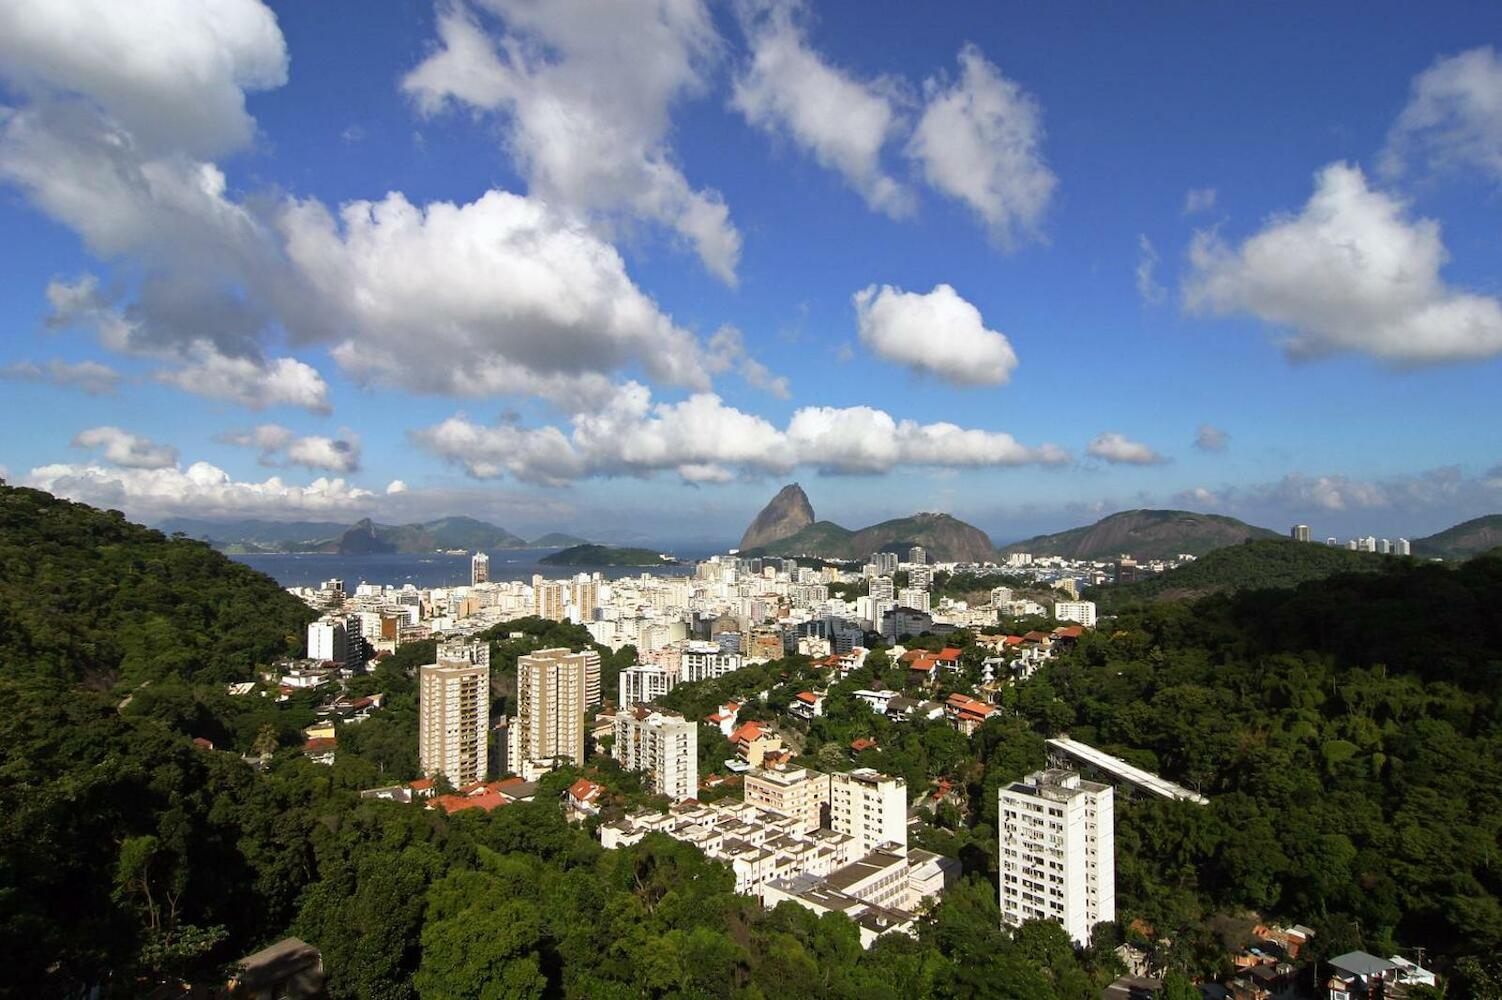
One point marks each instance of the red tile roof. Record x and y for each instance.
(746, 732)
(585, 791)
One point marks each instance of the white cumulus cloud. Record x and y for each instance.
(1453, 118)
(1351, 272)
(201, 490)
(789, 89)
(585, 92)
(937, 333)
(704, 440)
(1119, 449)
(280, 445)
(496, 296)
(980, 141)
(173, 72)
(131, 451)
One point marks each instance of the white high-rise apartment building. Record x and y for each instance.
(1402, 547)
(664, 745)
(1058, 854)
(1301, 533)
(869, 806)
(646, 682)
(704, 661)
(880, 588)
(550, 700)
(453, 718)
(479, 569)
(798, 792)
(913, 597)
(326, 640)
(1075, 611)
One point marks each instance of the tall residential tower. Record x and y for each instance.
(1058, 859)
(453, 713)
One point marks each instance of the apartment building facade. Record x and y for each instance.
(800, 793)
(551, 687)
(869, 806)
(663, 745)
(453, 724)
(1057, 859)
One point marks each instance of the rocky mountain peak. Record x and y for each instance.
(787, 514)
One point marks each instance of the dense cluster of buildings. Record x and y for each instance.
(828, 842)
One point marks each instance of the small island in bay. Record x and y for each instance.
(606, 555)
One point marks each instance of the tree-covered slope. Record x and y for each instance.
(1348, 733)
(602, 555)
(1275, 563)
(1462, 541)
(1145, 534)
(85, 595)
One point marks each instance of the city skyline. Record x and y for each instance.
(264, 272)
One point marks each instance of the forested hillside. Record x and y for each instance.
(1270, 563)
(1348, 733)
(86, 595)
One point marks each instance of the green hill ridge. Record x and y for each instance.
(605, 555)
(1258, 564)
(1144, 534)
(1469, 538)
(87, 596)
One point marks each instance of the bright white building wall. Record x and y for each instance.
(870, 807)
(664, 746)
(1057, 852)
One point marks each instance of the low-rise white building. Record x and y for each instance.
(1082, 612)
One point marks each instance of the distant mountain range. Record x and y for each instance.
(785, 527)
(1145, 534)
(364, 537)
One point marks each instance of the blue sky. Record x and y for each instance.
(623, 269)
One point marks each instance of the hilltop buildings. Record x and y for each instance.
(780, 846)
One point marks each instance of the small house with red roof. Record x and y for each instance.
(807, 705)
(724, 717)
(965, 713)
(583, 799)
